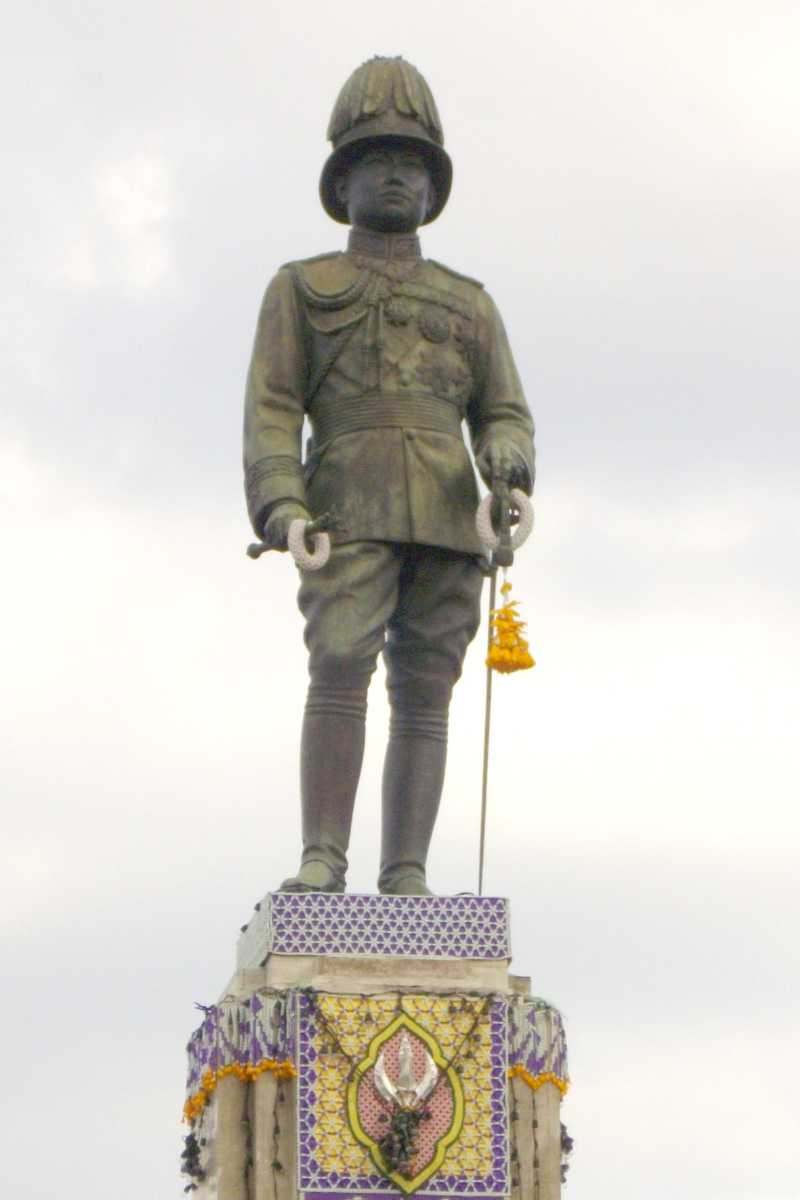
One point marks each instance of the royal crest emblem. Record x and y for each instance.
(405, 1103)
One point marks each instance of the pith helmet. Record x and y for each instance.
(385, 98)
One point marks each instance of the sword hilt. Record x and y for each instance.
(327, 520)
(503, 555)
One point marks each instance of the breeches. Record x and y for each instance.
(419, 605)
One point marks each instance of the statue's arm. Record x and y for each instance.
(274, 405)
(500, 423)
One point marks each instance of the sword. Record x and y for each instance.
(502, 556)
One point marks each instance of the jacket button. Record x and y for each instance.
(410, 435)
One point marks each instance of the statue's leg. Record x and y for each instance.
(346, 606)
(331, 750)
(437, 615)
(413, 775)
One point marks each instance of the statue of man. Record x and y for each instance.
(385, 353)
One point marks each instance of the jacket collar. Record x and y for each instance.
(388, 246)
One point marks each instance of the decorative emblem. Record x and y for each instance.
(409, 1093)
(397, 311)
(434, 324)
(405, 1103)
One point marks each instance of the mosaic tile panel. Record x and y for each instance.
(536, 1037)
(246, 1031)
(242, 1031)
(440, 927)
(334, 1032)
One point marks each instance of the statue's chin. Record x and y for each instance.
(390, 222)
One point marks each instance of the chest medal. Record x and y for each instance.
(396, 311)
(434, 324)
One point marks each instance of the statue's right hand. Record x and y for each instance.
(276, 530)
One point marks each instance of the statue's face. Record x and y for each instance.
(388, 188)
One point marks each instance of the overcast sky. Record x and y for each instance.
(626, 185)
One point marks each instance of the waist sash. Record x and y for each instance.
(355, 413)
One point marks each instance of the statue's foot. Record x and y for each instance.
(314, 876)
(412, 883)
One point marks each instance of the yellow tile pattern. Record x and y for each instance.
(355, 1021)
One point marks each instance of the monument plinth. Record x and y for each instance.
(376, 1046)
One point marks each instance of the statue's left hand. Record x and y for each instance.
(500, 461)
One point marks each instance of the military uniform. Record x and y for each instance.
(387, 355)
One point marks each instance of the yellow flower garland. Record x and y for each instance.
(508, 650)
(196, 1103)
(534, 1082)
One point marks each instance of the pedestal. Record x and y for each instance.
(376, 1047)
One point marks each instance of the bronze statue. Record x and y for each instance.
(386, 353)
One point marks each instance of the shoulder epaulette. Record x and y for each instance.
(329, 281)
(455, 274)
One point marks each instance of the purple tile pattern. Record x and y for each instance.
(536, 1037)
(440, 927)
(314, 1183)
(241, 1031)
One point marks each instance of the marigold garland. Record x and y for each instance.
(508, 650)
(534, 1082)
(287, 1070)
(196, 1103)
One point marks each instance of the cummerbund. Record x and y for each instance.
(350, 414)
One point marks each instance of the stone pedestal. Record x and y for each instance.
(376, 1047)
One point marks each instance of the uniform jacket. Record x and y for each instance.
(386, 354)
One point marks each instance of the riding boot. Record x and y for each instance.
(331, 752)
(413, 776)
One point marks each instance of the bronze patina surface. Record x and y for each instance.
(389, 355)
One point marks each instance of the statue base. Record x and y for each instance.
(376, 1047)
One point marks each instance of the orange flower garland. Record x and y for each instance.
(534, 1082)
(196, 1103)
(508, 650)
